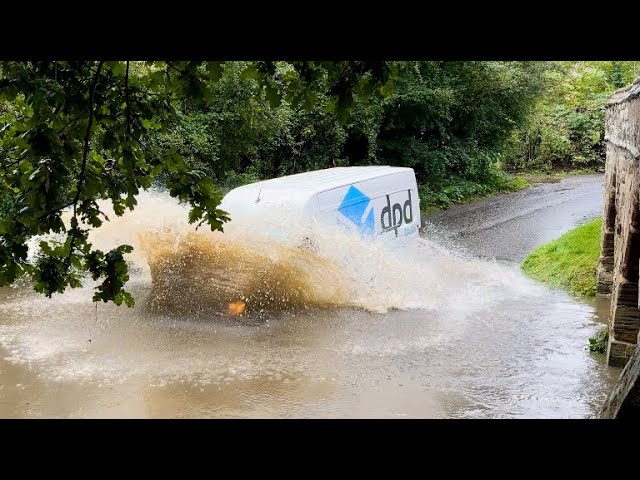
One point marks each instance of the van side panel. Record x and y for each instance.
(388, 205)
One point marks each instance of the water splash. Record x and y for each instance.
(202, 272)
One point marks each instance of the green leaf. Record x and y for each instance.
(125, 248)
(215, 70)
(128, 299)
(273, 96)
(387, 89)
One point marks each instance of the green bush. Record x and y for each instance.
(566, 129)
(451, 119)
(459, 190)
(457, 124)
(234, 180)
(598, 343)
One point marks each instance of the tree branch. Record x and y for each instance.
(55, 210)
(85, 156)
(126, 95)
(181, 72)
(72, 121)
(7, 166)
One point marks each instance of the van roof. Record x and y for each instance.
(318, 181)
(271, 202)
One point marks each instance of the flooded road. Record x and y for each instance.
(348, 330)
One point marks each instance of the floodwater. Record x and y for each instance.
(238, 325)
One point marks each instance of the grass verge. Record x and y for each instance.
(569, 261)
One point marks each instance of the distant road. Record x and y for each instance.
(509, 226)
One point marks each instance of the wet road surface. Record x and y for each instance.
(433, 333)
(509, 226)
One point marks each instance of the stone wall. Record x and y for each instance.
(618, 268)
(624, 400)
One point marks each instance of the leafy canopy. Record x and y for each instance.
(73, 133)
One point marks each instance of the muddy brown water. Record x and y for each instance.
(438, 330)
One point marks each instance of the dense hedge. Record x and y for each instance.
(458, 124)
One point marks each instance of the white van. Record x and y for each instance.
(377, 202)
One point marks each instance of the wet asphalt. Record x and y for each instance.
(507, 227)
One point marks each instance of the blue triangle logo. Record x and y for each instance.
(353, 206)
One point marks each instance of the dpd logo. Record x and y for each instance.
(359, 209)
(393, 216)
